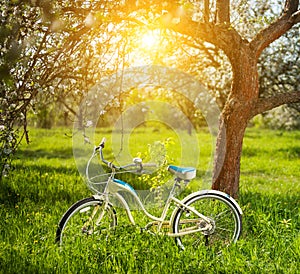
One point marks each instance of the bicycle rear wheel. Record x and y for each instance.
(225, 221)
(84, 220)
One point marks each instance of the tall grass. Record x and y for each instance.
(45, 182)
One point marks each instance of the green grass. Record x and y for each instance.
(45, 182)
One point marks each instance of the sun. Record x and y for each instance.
(148, 46)
(150, 40)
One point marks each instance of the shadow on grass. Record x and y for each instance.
(38, 168)
(11, 197)
(290, 152)
(29, 154)
(40, 183)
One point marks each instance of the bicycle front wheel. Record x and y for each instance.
(84, 220)
(223, 227)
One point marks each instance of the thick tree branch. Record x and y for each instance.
(206, 11)
(223, 11)
(291, 6)
(295, 18)
(268, 35)
(265, 104)
(220, 35)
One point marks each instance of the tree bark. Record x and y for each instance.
(222, 11)
(234, 120)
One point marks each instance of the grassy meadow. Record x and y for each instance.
(45, 181)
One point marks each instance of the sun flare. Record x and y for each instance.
(150, 40)
(148, 46)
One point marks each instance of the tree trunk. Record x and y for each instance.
(234, 120)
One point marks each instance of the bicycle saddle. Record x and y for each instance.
(183, 173)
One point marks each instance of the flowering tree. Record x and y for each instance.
(45, 53)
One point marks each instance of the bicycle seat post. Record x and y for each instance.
(177, 181)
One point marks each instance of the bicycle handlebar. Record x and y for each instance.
(137, 162)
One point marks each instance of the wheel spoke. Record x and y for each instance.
(222, 215)
(85, 219)
(224, 224)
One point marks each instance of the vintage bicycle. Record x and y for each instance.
(209, 217)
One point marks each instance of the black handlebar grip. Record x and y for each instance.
(102, 142)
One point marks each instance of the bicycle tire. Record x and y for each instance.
(224, 214)
(79, 221)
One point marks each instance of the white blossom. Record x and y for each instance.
(89, 123)
(7, 151)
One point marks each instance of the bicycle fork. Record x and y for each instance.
(88, 226)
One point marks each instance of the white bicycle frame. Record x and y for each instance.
(113, 189)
